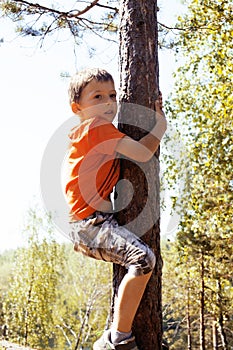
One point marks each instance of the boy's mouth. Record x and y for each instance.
(109, 112)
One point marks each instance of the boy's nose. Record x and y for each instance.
(108, 100)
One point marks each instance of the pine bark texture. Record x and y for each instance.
(139, 86)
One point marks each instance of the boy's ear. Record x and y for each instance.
(75, 107)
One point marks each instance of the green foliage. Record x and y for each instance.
(5, 268)
(52, 296)
(83, 301)
(201, 107)
(32, 293)
(174, 296)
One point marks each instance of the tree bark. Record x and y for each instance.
(214, 335)
(189, 336)
(202, 306)
(139, 86)
(220, 316)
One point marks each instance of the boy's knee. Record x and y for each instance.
(151, 260)
(146, 264)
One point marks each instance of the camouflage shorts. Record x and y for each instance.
(100, 237)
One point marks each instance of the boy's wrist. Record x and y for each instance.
(159, 114)
(160, 126)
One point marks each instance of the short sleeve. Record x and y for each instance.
(104, 136)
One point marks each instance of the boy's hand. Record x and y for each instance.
(144, 149)
(161, 123)
(159, 105)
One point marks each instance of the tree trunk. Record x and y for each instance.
(139, 86)
(220, 316)
(215, 335)
(202, 306)
(189, 337)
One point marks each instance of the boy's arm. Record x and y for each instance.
(144, 149)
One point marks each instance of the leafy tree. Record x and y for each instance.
(54, 297)
(180, 298)
(174, 294)
(201, 107)
(32, 292)
(5, 270)
(82, 303)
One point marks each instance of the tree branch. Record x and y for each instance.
(41, 7)
(188, 28)
(115, 9)
(79, 13)
(85, 25)
(67, 14)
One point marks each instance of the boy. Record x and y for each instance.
(94, 171)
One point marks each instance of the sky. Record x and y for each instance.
(34, 104)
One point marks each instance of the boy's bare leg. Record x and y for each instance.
(130, 294)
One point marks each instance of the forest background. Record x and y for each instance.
(53, 299)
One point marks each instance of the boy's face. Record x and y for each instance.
(98, 99)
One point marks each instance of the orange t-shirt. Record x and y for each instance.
(94, 168)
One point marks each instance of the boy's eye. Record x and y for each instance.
(98, 96)
(113, 96)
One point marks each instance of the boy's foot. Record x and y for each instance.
(104, 343)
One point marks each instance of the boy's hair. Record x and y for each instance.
(82, 78)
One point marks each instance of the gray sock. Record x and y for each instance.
(117, 337)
